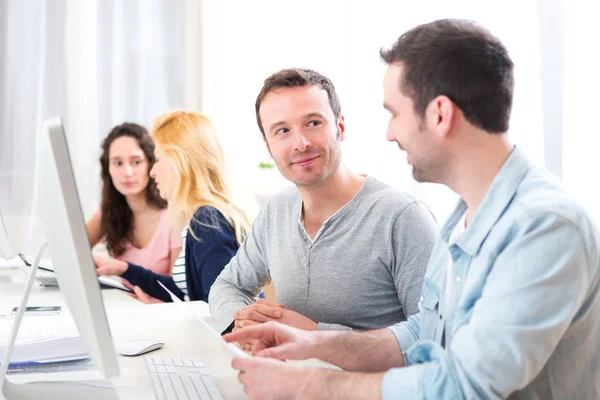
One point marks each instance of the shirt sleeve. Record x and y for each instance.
(212, 244)
(532, 293)
(243, 277)
(148, 282)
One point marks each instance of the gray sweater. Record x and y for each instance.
(363, 270)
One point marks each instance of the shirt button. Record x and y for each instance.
(421, 299)
(310, 245)
(458, 279)
(440, 316)
(307, 280)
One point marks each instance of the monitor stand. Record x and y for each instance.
(43, 388)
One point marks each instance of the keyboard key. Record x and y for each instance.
(167, 386)
(189, 387)
(178, 386)
(160, 394)
(175, 378)
(215, 393)
(177, 361)
(157, 360)
(200, 387)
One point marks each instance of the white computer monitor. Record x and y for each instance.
(69, 246)
(5, 247)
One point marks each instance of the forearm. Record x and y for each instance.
(147, 281)
(342, 385)
(324, 326)
(371, 351)
(225, 298)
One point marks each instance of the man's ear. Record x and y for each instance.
(341, 125)
(440, 115)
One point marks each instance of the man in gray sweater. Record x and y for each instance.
(344, 251)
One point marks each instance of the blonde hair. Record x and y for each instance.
(191, 145)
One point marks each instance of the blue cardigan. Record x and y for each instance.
(205, 257)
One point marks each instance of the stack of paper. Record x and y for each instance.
(43, 340)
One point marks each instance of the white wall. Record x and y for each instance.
(247, 41)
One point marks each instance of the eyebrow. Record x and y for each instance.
(275, 125)
(307, 116)
(130, 157)
(313, 115)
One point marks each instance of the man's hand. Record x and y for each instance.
(106, 265)
(259, 312)
(265, 311)
(278, 341)
(270, 379)
(297, 320)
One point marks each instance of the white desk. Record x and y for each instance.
(174, 323)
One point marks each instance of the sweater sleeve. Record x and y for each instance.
(148, 282)
(243, 277)
(414, 234)
(210, 245)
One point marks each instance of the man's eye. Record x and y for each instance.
(314, 123)
(282, 131)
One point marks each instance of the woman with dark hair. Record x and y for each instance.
(132, 219)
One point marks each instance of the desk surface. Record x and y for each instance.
(174, 323)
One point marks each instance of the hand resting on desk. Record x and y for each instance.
(265, 311)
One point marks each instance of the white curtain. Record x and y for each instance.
(244, 42)
(95, 63)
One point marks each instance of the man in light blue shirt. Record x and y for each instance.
(510, 306)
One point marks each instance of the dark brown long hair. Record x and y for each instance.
(116, 224)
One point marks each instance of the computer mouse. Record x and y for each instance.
(139, 346)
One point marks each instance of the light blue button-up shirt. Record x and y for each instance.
(523, 319)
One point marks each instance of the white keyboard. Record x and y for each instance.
(175, 378)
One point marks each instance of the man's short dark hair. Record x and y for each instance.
(461, 60)
(297, 77)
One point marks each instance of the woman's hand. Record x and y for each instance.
(106, 265)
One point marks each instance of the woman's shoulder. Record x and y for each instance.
(209, 222)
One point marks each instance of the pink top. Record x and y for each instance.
(156, 255)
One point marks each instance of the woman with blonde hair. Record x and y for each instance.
(189, 174)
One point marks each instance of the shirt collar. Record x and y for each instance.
(496, 200)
